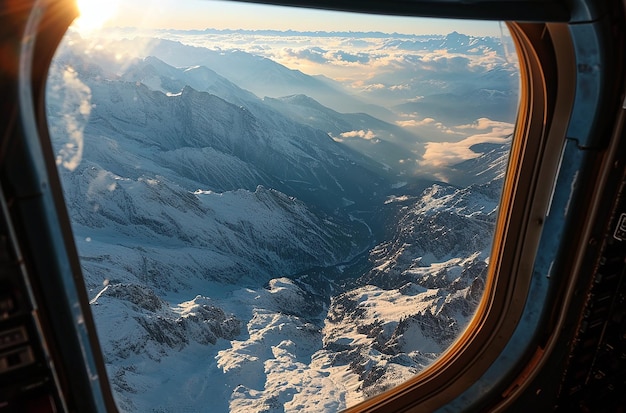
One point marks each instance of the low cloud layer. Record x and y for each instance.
(443, 154)
(484, 124)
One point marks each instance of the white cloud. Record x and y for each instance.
(440, 154)
(485, 123)
(430, 127)
(375, 86)
(414, 122)
(400, 87)
(76, 104)
(359, 134)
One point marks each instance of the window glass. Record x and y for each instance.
(278, 209)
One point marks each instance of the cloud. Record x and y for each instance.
(351, 57)
(359, 134)
(76, 108)
(483, 124)
(324, 56)
(414, 122)
(445, 63)
(400, 87)
(454, 64)
(429, 127)
(440, 154)
(313, 54)
(374, 86)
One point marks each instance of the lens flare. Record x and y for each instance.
(95, 13)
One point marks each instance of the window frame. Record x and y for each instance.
(464, 373)
(542, 201)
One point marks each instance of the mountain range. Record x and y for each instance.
(251, 255)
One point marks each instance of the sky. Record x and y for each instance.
(220, 14)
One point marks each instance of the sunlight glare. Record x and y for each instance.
(95, 13)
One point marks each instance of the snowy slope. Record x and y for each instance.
(421, 292)
(170, 130)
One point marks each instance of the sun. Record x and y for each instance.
(94, 13)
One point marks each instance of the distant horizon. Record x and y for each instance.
(320, 33)
(291, 32)
(230, 15)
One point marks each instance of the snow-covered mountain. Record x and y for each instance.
(248, 147)
(260, 75)
(422, 289)
(453, 42)
(237, 256)
(158, 75)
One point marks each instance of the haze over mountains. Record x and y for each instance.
(256, 239)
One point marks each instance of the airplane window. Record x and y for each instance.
(288, 213)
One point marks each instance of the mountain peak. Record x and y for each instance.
(456, 36)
